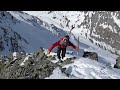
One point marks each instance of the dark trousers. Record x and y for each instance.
(59, 54)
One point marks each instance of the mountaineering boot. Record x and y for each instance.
(63, 59)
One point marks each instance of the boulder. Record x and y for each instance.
(117, 65)
(91, 55)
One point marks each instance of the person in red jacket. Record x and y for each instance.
(62, 45)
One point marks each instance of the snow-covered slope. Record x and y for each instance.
(84, 68)
(22, 32)
(100, 27)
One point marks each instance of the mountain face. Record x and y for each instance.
(20, 32)
(100, 27)
(9, 39)
(23, 34)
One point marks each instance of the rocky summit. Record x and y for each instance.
(29, 66)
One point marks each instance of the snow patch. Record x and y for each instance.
(26, 58)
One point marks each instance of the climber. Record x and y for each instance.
(62, 45)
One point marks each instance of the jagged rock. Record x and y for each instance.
(40, 54)
(10, 56)
(91, 55)
(44, 68)
(17, 55)
(32, 66)
(1, 65)
(51, 57)
(26, 61)
(4, 57)
(117, 65)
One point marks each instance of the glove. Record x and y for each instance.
(48, 52)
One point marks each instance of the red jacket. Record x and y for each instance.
(60, 46)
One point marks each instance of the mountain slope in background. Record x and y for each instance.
(22, 32)
(100, 27)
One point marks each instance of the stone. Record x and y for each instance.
(91, 55)
(117, 65)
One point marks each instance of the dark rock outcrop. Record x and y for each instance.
(117, 65)
(2, 64)
(91, 55)
(31, 66)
